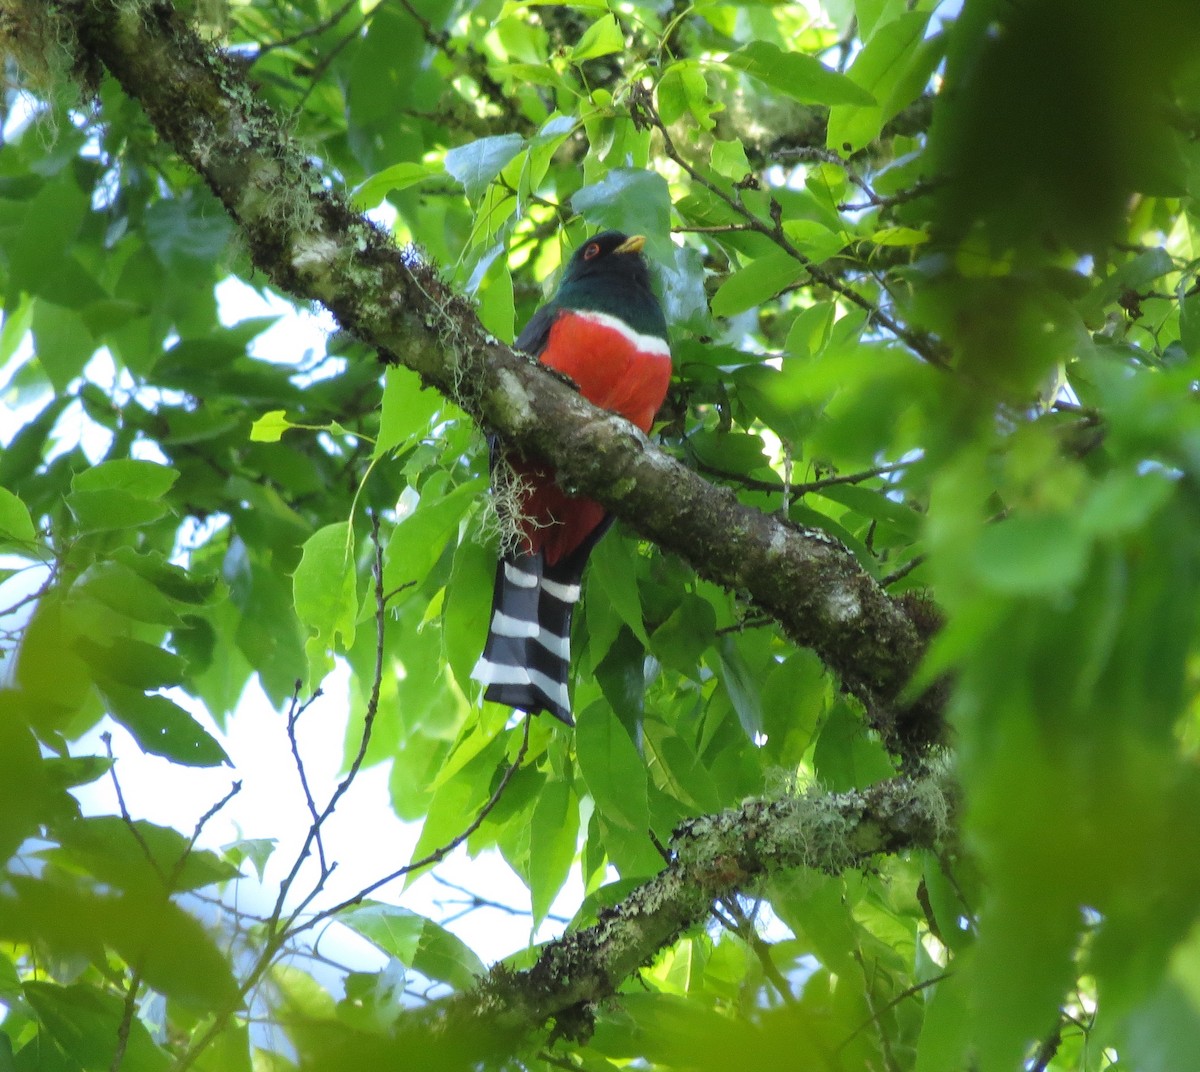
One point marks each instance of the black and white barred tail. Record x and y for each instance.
(526, 662)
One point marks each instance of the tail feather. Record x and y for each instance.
(527, 659)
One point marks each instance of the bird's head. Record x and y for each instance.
(607, 256)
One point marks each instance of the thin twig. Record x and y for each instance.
(474, 901)
(314, 830)
(312, 31)
(438, 854)
(926, 346)
(744, 928)
(128, 1009)
(904, 995)
(903, 571)
(234, 789)
(1047, 1048)
(885, 1042)
(295, 710)
(106, 738)
(745, 623)
(797, 491)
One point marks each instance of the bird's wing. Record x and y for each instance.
(537, 332)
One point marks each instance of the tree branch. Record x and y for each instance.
(712, 858)
(307, 240)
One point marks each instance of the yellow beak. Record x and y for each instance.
(633, 244)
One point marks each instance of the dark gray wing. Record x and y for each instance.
(537, 332)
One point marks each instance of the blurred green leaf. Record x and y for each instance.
(633, 201)
(84, 1022)
(612, 768)
(417, 942)
(161, 727)
(324, 585)
(803, 78)
(757, 282)
(477, 163)
(15, 522)
(553, 833)
(602, 38)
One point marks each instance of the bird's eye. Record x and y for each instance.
(591, 251)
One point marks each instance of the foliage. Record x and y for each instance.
(923, 302)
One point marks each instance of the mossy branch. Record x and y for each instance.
(308, 241)
(713, 857)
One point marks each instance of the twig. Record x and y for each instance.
(885, 1043)
(474, 901)
(1047, 1048)
(128, 1009)
(106, 738)
(903, 571)
(788, 488)
(745, 930)
(312, 31)
(918, 189)
(905, 994)
(438, 854)
(234, 789)
(745, 623)
(314, 831)
(926, 346)
(295, 710)
(797, 491)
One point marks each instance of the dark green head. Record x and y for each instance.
(608, 274)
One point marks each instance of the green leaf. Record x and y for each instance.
(269, 428)
(899, 236)
(120, 588)
(684, 89)
(406, 410)
(740, 684)
(418, 541)
(105, 511)
(614, 568)
(84, 1021)
(683, 637)
(131, 662)
(687, 777)
(368, 194)
(459, 798)
(416, 942)
(324, 586)
(161, 727)
(846, 755)
(26, 785)
(138, 855)
(257, 850)
(477, 163)
(631, 200)
(63, 343)
(803, 78)
(15, 523)
(879, 68)
(1032, 555)
(139, 479)
(759, 281)
(602, 38)
(553, 836)
(48, 670)
(612, 768)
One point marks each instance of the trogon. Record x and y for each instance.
(605, 329)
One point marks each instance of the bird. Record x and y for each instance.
(605, 330)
